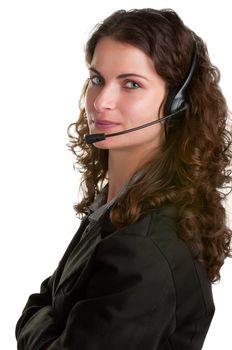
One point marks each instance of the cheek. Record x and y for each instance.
(143, 109)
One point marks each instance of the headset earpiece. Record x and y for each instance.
(173, 104)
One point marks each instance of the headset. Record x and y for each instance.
(175, 105)
(176, 100)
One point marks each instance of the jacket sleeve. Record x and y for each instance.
(37, 315)
(130, 299)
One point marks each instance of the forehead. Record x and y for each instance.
(113, 55)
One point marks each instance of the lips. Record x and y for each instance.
(105, 122)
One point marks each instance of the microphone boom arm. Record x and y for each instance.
(99, 137)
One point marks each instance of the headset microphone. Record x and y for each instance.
(175, 104)
(99, 137)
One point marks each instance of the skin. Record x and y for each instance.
(130, 101)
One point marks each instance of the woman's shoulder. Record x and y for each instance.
(156, 233)
(159, 226)
(150, 222)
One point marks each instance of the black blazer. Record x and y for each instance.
(135, 288)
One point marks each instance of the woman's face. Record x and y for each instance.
(128, 101)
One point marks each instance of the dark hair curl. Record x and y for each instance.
(192, 164)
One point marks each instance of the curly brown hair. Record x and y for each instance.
(192, 165)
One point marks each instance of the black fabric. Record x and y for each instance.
(137, 288)
(107, 226)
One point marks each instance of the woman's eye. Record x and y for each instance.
(130, 84)
(94, 81)
(133, 83)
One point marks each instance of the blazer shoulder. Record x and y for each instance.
(191, 281)
(143, 226)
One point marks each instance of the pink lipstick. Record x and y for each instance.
(105, 124)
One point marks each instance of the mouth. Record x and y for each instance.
(104, 125)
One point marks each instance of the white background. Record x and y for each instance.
(41, 74)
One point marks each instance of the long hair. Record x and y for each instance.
(192, 166)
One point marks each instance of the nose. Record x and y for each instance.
(106, 99)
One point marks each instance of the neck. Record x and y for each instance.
(121, 167)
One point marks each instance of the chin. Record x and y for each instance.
(102, 144)
(105, 144)
(110, 146)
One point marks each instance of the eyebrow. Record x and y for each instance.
(120, 76)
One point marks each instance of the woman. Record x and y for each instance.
(138, 273)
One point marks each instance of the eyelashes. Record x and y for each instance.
(126, 81)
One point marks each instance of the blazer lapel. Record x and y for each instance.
(79, 255)
(76, 238)
(82, 247)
